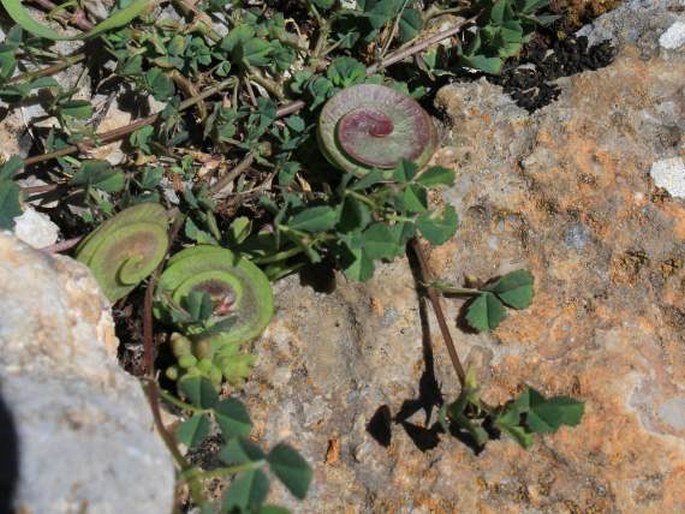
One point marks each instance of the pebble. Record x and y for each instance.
(35, 228)
(674, 37)
(670, 174)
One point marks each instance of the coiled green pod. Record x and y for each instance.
(125, 249)
(369, 126)
(241, 296)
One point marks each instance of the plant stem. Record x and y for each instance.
(77, 18)
(62, 246)
(217, 190)
(393, 30)
(402, 54)
(49, 70)
(197, 474)
(462, 291)
(279, 256)
(181, 404)
(434, 298)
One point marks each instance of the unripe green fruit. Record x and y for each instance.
(205, 366)
(180, 345)
(172, 373)
(187, 361)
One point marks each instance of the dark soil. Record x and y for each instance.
(529, 80)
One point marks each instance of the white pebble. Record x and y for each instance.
(670, 174)
(35, 228)
(674, 37)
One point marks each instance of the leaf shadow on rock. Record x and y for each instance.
(9, 463)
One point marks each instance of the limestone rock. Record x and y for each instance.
(567, 193)
(35, 228)
(85, 435)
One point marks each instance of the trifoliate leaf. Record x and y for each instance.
(239, 451)
(356, 263)
(509, 421)
(492, 65)
(436, 176)
(405, 171)
(194, 430)
(79, 109)
(291, 469)
(10, 203)
(413, 200)
(314, 219)
(520, 434)
(100, 175)
(198, 391)
(11, 167)
(248, 490)
(485, 312)
(549, 414)
(438, 226)
(514, 289)
(345, 72)
(410, 24)
(232, 418)
(378, 242)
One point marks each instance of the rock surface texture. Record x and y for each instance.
(567, 193)
(76, 428)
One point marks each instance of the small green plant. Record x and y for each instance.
(243, 460)
(505, 26)
(469, 416)
(521, 418)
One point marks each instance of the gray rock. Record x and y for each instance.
(86, 441)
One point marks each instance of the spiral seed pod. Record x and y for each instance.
(369, 126)
(241, 296)
(126, 248)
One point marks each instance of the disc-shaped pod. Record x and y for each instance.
(239, 291)
(125, 249)
(369, 126)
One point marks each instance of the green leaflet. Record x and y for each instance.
(26, 20)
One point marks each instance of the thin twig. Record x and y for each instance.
(393, 30)
(49, 70)
(62, 246)
(77, 18)
(402, 54)
(217, 190)
(152, 389)
(434, 298)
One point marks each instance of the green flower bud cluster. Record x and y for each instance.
(211, 357)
